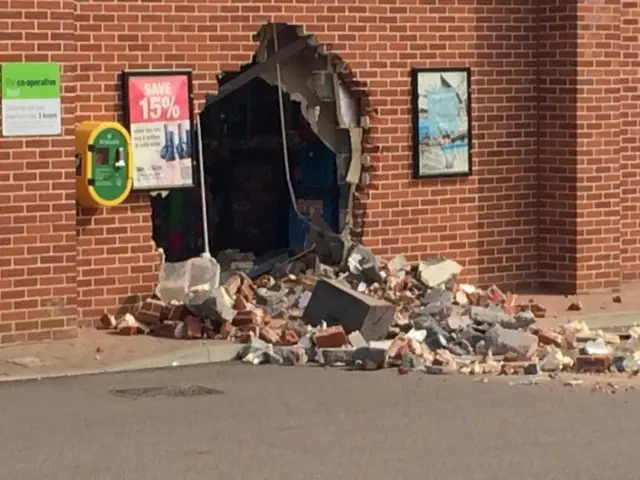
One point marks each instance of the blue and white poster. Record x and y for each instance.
(441, 114)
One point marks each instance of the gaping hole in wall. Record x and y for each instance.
(260, 182)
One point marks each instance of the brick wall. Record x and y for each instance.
(598, 144)
(557, 169)
(515, 220)
(487, 221)
(37, 198)
(630, 139)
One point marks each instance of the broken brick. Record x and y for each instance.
(240, 304)
(108, 321)
(276, 323)
(331, 337)
(225, 330)
(150, 312)
(176, 313)
(593, 363)
(166, 329)
(192, 328)
(128, 325)
(574, 307)
(269, 335)
(571, 341)
(246, 317)
(289, 338)
(233, 284)
(538, 310)
(547, 337)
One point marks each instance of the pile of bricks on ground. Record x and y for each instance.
(369, 316)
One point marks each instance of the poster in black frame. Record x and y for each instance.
(159, 115)
(441, 122)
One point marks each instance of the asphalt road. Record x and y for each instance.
(292, 423)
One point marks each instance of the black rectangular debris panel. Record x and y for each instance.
(337, 304)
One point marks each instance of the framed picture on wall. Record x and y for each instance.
(441, 122)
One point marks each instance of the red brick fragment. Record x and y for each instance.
(269, 335)
(127, 330)
(331, 337)
(192, 328)
(150, 312)
(108, 321)
(593, 363)
(289, 338)
(166, 329)
(546, 337)
(176, 313)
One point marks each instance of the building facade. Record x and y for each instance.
(552, 201)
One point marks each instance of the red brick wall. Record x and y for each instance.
(557, 169)
(630, 139)
(523, 58)
(488, 222)
(37, 199)
(598, 144)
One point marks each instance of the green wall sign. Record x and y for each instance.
(31, 99)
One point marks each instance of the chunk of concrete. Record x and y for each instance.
(357, 340)
(438, 272)
(471, 336)
(292, 355)
(363, 263)
(422, 321)
(336, 356)
(438, 303)
(523, 319)
(490, 315)
(373, 356)
(337, 304)
(502, 341)
(397, 264)
(456, 322)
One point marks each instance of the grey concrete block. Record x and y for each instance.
(357, 340)
(377, 356)
(336, 356)
(523, 319)
(438, 271)
(490, 315)
(502, 341)
(338, 304)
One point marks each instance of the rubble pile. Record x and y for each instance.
(369, 316)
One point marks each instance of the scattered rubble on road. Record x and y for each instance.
(367, 315)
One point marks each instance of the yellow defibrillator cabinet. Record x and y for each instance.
(104, 164)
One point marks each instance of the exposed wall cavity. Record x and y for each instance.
(311, 76)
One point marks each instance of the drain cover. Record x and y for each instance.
(169, 391)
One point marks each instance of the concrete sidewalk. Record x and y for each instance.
(98, 351)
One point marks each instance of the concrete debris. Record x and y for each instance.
(337, 304)
(437, 272)
(366, 314)
(502, 341)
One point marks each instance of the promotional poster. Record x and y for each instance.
(159, 108)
